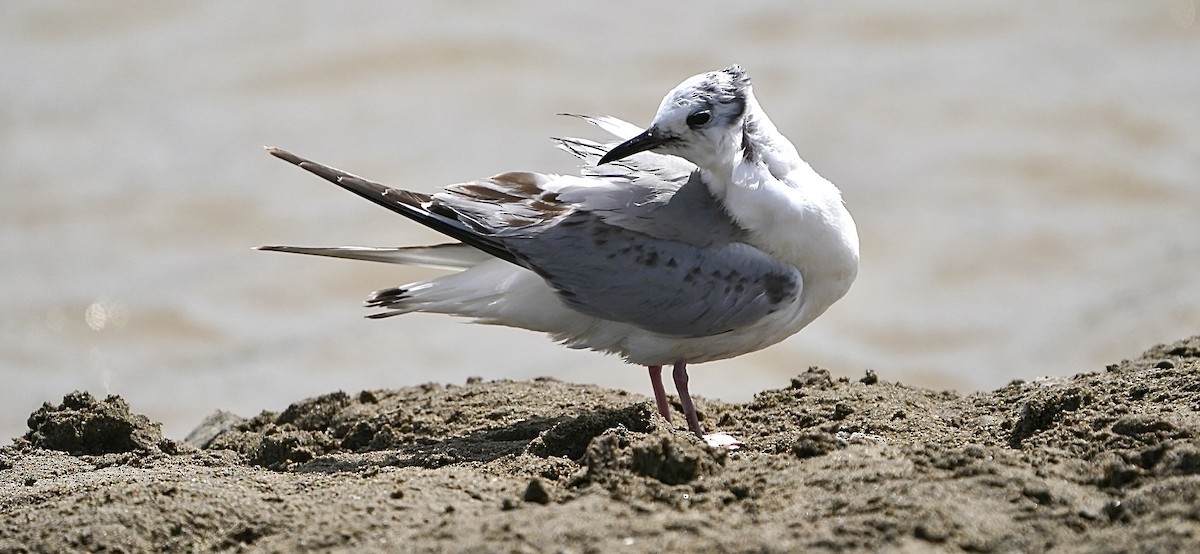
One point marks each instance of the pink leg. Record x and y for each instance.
(660, 395)
(685, 398)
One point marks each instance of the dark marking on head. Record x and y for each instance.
(737, 75)
(749, 152)
(726, 84)
(722, 93)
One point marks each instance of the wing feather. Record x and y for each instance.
(640, 241)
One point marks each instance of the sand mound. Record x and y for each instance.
(1104, 461)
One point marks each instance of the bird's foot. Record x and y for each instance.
(722, 440)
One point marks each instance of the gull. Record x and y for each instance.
(702, 237)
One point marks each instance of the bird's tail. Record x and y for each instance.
(483, 291)
(442, 256)
(413, 205)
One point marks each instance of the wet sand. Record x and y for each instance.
(1103, 461)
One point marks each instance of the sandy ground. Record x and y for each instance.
(1104, 461)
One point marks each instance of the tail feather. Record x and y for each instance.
(464, 293)
(413, 205)
(442, 256)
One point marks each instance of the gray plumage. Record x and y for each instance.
(702, 237)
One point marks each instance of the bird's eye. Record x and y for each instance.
(699, 118)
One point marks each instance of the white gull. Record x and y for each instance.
(701, 238)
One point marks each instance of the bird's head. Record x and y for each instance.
(700, 120)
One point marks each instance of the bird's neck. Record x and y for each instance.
(762, 143)
(787, 209)
(754, 142)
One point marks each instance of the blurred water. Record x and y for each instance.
(1024, 177)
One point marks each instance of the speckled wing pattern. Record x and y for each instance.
(640, 241)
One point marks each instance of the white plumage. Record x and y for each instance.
(701, 238)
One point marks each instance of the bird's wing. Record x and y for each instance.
(615, 126)
(413, 205)
(655, 253)
(665, 286)
(658, 254)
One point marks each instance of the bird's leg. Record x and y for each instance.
(660, 395)
(715, 440)
(685, 398)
